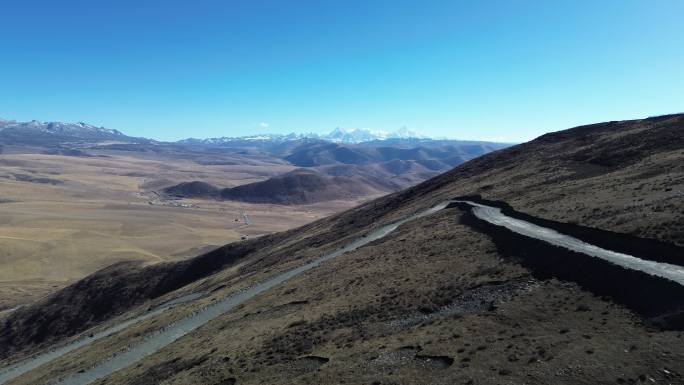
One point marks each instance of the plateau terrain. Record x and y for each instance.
(75, 198)
(559, 260)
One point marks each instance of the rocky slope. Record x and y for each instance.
(437, 301)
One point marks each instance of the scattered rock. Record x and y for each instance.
(441, 362)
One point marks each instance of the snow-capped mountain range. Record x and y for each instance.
(358, 135)
(78, 130)
(84, 131)
(338, 135)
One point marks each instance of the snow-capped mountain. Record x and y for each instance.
(58, 130)
(338, 135)
(359, 135)
(251, 138)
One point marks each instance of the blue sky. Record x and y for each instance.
(503, 70)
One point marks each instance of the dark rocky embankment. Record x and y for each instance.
(659, 301)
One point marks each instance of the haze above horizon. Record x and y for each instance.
(504, 71)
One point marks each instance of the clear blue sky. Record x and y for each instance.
(507, 70)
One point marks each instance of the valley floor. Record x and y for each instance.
(98, 211)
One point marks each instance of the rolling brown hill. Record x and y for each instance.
(435, 155)
(440, 300)
(300, 186)
(341, 171)
(195, 189)
(297, 187)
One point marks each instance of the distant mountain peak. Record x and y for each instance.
(338, 134)
(59, 131)
(359, 135)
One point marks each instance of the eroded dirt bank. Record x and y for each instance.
(658, 300)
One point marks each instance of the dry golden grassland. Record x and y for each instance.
(92, 212)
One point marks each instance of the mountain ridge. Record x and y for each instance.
(337, 135)
(360, 161)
